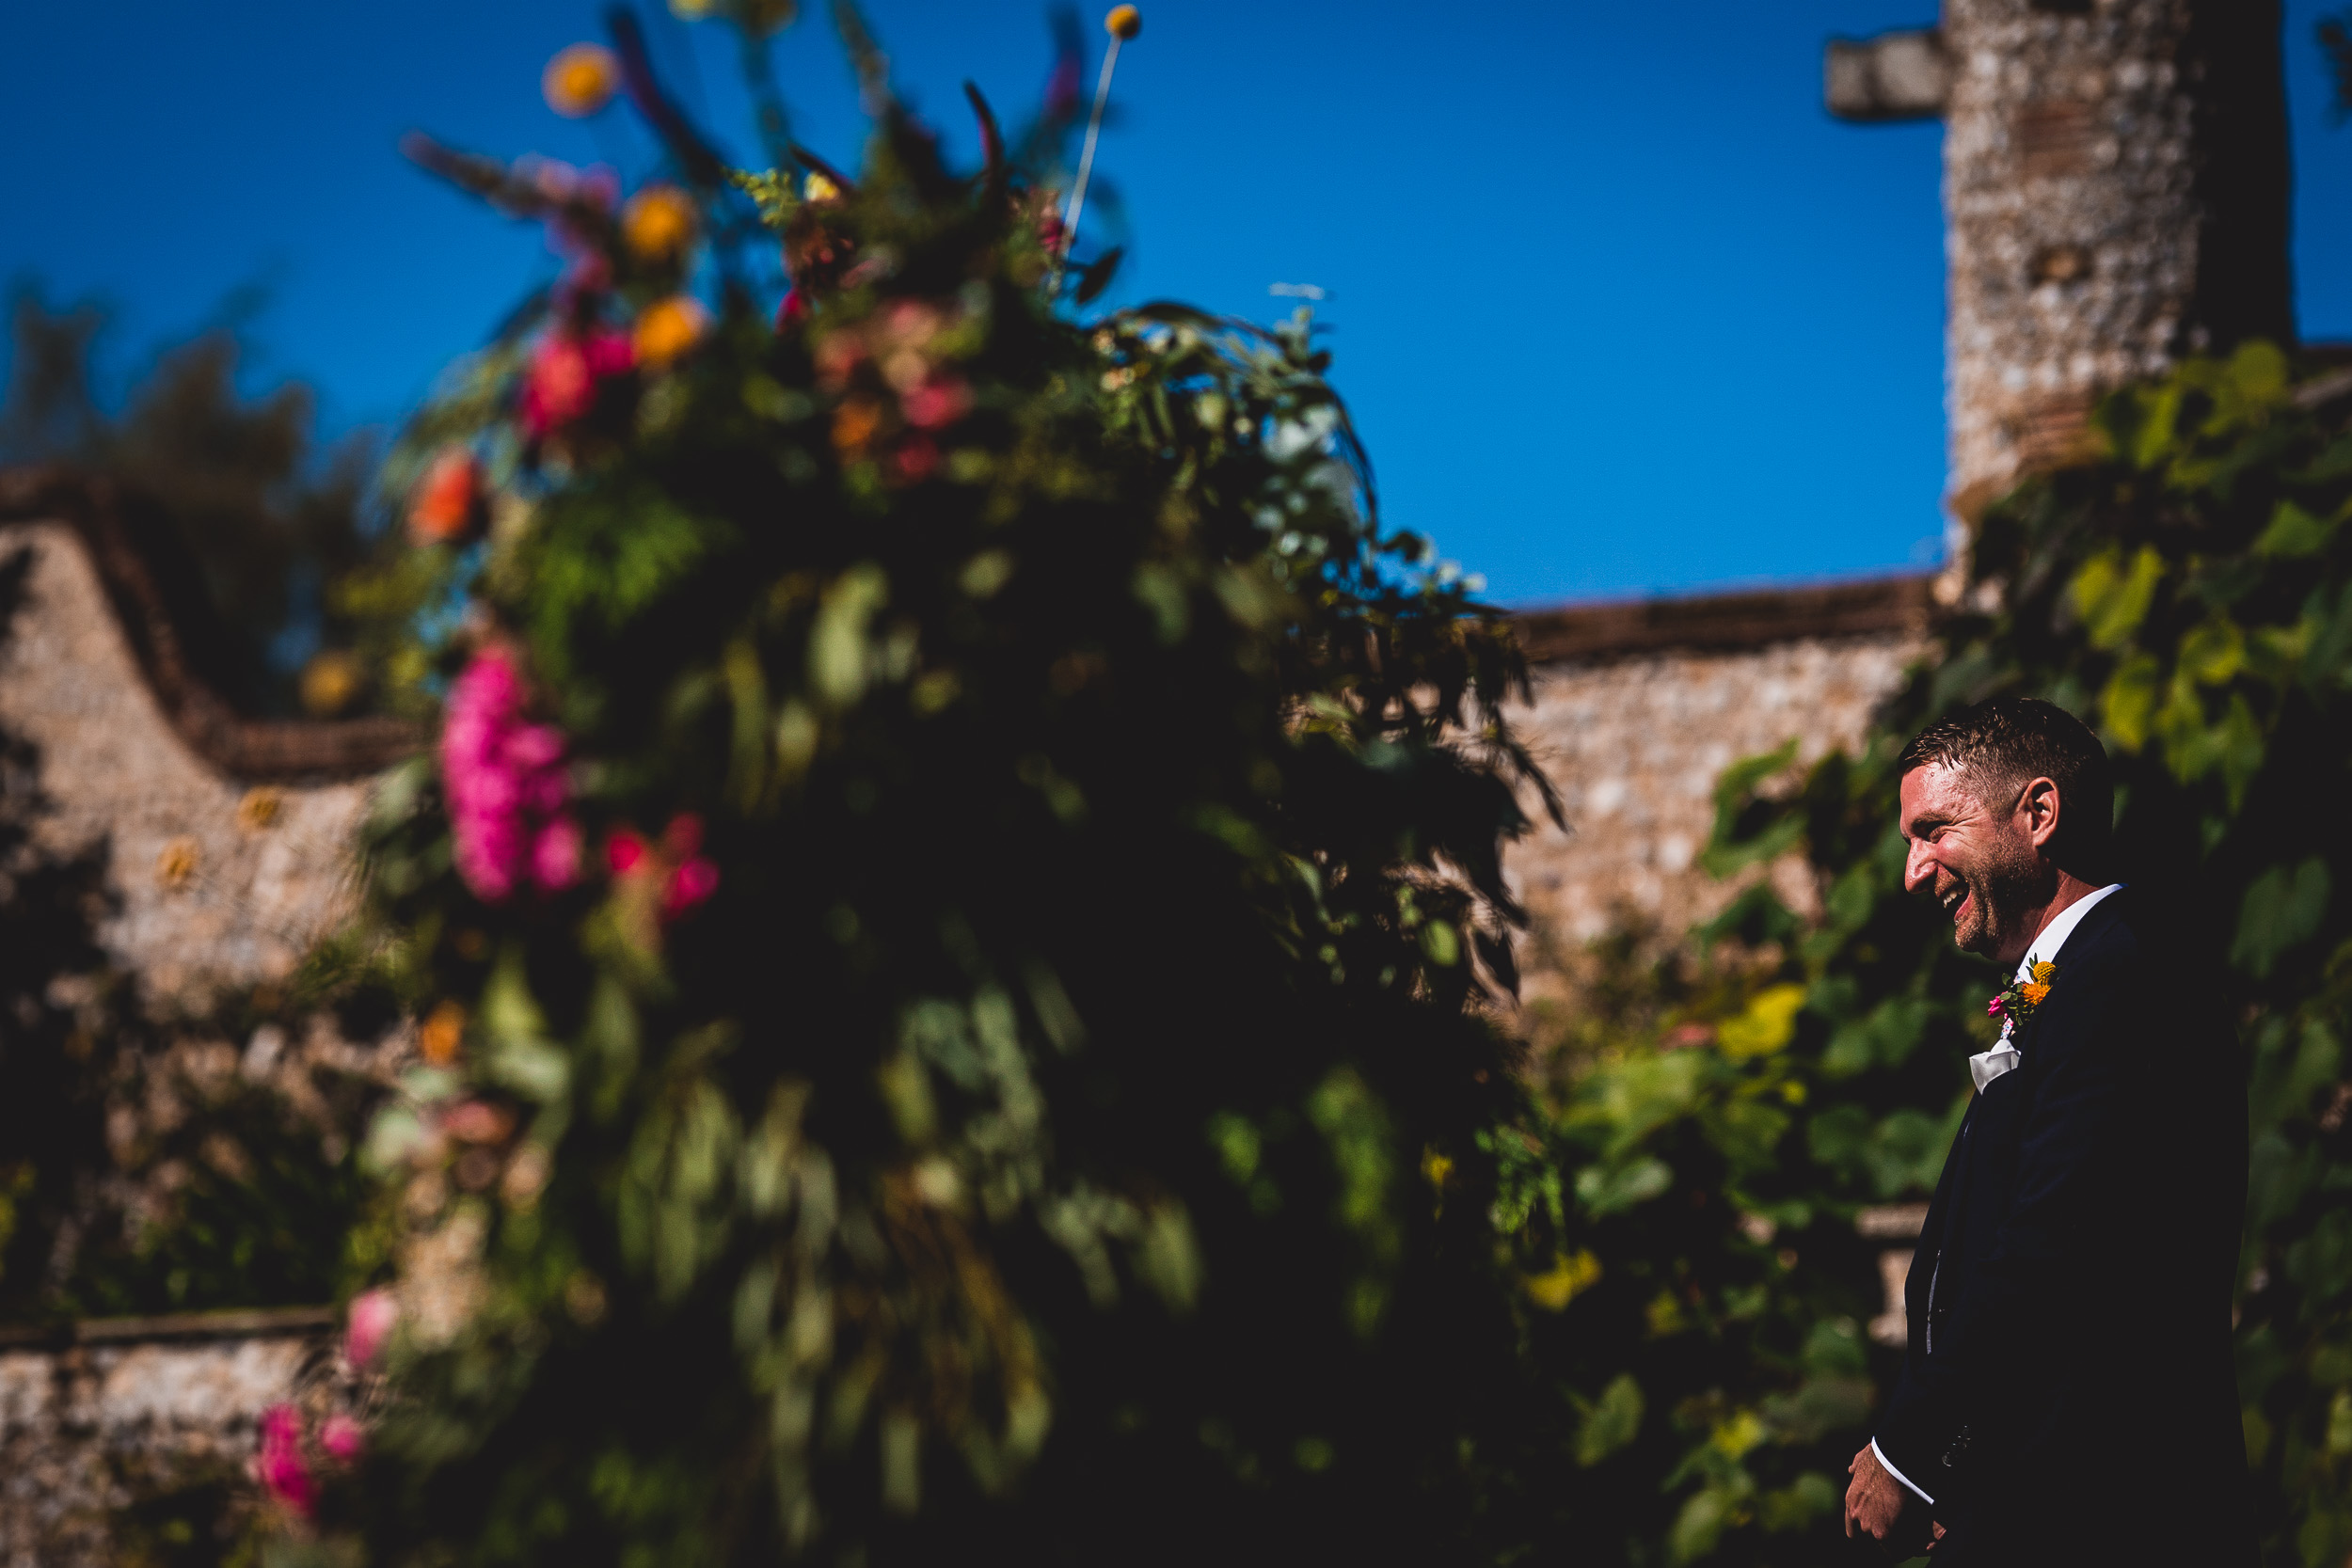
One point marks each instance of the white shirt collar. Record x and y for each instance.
(2045, 946)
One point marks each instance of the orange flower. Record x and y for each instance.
(448, 499)
(2034, 993)
(443, 1031)
(854, 425)
(657, 223)
(580, 80)
(1124, 22)
(668, 329)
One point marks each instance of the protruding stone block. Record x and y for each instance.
(1902, 75)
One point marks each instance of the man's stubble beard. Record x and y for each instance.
(1999, 892)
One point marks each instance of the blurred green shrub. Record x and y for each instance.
(952, 918)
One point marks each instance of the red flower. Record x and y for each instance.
(624, 851)
(566, 373)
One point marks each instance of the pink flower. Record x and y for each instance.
(676, 866)
(1993, 1008)
(567, 370)
(555, 857)
(280, 1466)
(507, 785)
(369, 1325)
(342, 1438)
(690, 884)
(940, 401)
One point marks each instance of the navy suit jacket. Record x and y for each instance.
(2068, 1393)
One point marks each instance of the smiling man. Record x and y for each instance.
(2067, 1395)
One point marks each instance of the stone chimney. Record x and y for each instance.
(2115, 194)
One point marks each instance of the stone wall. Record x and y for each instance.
(227, 850)
(126, 1418)
(1637, 711)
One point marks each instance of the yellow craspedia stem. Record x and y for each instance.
(1124, 22)
(669, 328)
(580, 80)
(657, 223)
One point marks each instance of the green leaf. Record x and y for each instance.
(2294, 532)
(840, 661)
(2113, 596)
(1604, 1190)
(1614, 1421)
(2282, 910)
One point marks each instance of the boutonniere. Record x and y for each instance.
(2015, 1006)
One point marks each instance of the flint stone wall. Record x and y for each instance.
(218, 884)
(1638, 709)
(91, 1428)
(226, 846)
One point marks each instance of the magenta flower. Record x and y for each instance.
(280, 1466)
(507, 785)
(369, 1325)
(1993, 1008)
(342, 1438)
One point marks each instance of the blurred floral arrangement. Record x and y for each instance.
(954, 907)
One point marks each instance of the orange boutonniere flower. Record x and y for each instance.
(2015, 1006)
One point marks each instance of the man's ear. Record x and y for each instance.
(2038, 812)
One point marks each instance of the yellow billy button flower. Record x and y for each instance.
(580, 80)
(1124, 22)
(330, 683)
(657, 223)
(669, 328)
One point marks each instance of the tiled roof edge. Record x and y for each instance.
(1726, 623)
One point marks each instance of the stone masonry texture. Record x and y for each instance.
(2116, 194)
(1635, 746)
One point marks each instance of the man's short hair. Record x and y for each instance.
(2000, 744)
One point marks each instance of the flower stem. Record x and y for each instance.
(1086, 163)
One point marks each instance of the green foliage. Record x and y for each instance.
(1068, 1128)
(2192, 593)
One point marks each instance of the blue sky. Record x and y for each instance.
(1618, 307)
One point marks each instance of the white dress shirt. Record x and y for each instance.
(1990, 1065)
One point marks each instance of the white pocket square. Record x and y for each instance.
(1987, 1065)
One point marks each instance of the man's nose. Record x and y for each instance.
(1919, 869)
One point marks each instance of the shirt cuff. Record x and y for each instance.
(1889, 1468)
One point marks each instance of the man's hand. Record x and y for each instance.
(1875, 1499)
